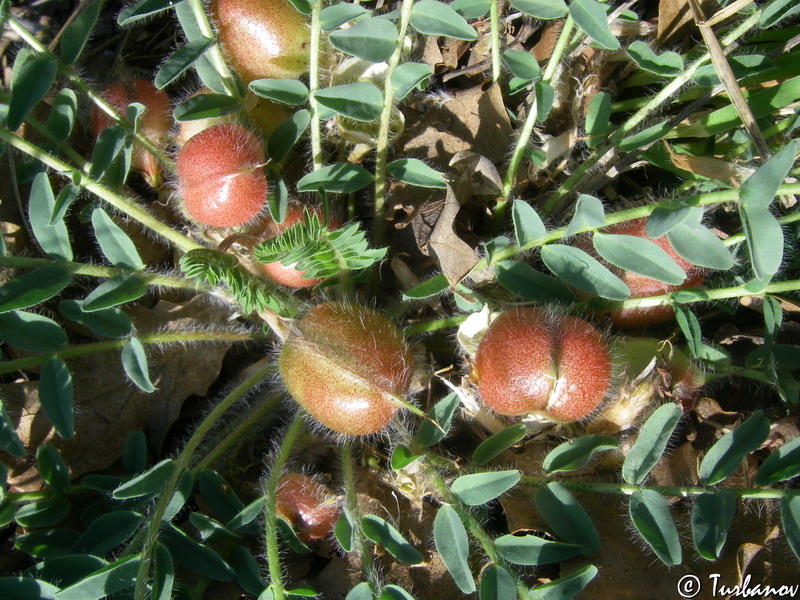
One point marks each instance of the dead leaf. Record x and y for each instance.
(675, 18)
(108, 406)
(477, 175)
(456, 257)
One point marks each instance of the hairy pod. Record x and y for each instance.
(307, 505)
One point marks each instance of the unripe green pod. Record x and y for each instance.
(529, 362)
(347, 366)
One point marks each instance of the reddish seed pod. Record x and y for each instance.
(308, 506)
(347, 366)
(154, 123)
(529, 362)
(220, 176)
(642, 286)
(262, 38)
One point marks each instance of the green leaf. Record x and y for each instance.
(360, 101)
(773, 317)
(381, 532)
(690, 327)
(179, 498)
(107, 532)
(47, 543)
(148, 483)
(288, 91)
(638, 255)
(541, 9)
(664, 219)
(652, 519)
(338, 178)
(26, 588)
(31, 332)
(590, 16)
(247, 515)
(409, 76)
(343, 531)
(101, 584)
(114, 242)
(219, 495)
(134, 361)
(667, 64)
(700, 246)
(428, 288)
(66, 570)
(712, 515)
(528, 283)
(109, 144)
(180, 61)
(782, 464)
(495, 445)
(764, 241)
(567, 586)
(598, 119)
(134, 453)
(724, 457)
(528, 225)
(30, 83)
(471, 9)
(576, 454)
(51, 234)
(9, 440)
(247, 569)
(277, 197)
(43, 513)
(415, 172)
(743, 65)
(286, 135)
(117, 290)
(395, 592)
(77, 33)
(580, 270)
(480, 488)
(759, 190)
(452, 544)
(372, 40)
(545, 95)
(67, 195)
(436, 18)
(62, 114)
(362, 591)
(33, 288)
(532, 550)
(589, 213)
(197, 557)
(644, 137)
(52, 467)
(442, 413)
(206, 106)
(108, 322)
(650, 443)
(790, 522)
(522, 64)
(163, 574)
(566, 517)
(774, 13)
(338, 14)
(402, 457)
(143, 9)
(497, 584)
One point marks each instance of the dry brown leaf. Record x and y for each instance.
(675, 18)
(456, 257)
(108, 406)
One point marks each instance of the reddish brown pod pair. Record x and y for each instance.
(310, 507)
(347, 366)
(551, 365)
(642, 286)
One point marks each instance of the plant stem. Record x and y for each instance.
(313, 84)
(179, 337)
(151, 536)
(645, 111)
(382, 145)
(428, 326)
(101, 102)
(353, 512)
(495, 24)
(530, 121)
(270, 495)
(76, 268)
(124, 205)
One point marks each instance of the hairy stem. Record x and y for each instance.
(313, 85)
(495, 24)
(270, 495)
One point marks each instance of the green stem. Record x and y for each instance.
(181, 463)
(530, 121)
(382, 145)
(351, 506)
(270, 495)
(429, 326)
(644, 112)
(76, 268)
(495, 24)
(98, 99)
(313, 84)
(178, 337)
(124, 205)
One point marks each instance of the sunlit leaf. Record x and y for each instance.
(724, 457)
(533, 550)
(576, 454)
(650, 514)
(431, 17)
(712, 515)
(381, 532)
(566, 517)
(452, 544)
(480, 488)
(650, 443)
(372, 40)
